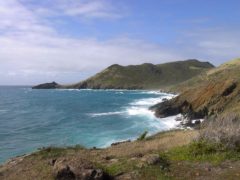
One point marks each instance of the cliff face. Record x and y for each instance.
(215, 92)
(145, 76)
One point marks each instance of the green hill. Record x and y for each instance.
(214, 92)
(145, 76)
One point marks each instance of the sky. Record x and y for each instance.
(69, 40)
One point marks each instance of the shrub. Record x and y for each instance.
(142, 136)
(223, 130)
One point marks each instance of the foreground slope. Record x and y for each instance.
(214, 92)
(149, 159)
(145, 76)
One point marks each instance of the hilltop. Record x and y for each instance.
(214, 92)
(144, 76)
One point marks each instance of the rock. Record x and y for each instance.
(164, 99)
(52, 85)
(114, 160)
(197, 122)
(186, 122)
(152, 159)
(108, 158)
(122, 142)
(124, 177)
(64, 170)
(138, 155)
(52, 162)
(208, 169)
(140, 165)
(178, 118)
(93, 174)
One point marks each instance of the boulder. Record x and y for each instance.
(62, 171)
(151, 159)
(65, 170)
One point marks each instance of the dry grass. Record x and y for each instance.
(123, 158)
(223, 130)
(36, 166)
(155, 143)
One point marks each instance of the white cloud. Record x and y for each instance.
(218, 44)
(83, 9)
(32, 51)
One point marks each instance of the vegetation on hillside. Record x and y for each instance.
(167, 155)
(145, 76)
(214, 92)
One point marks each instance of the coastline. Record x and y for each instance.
(138, 108)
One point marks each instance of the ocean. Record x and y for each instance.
(31, 119)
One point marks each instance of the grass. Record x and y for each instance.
(144, 76)
(51, 152)
(55, 152)
(223, 130)
(180, 158)
(154, 173)
(122, 166)
(203, 151)
(142, 136)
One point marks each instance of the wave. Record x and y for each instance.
(106, 113)
(151, 101)
(146, 102)
(67, 89)
(170, 122)
(138, 111)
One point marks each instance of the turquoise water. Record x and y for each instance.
(30, 119)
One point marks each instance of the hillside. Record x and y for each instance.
(145, 76)
(211, 93)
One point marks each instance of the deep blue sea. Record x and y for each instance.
(30, 119)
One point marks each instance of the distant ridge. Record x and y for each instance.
(144, 76)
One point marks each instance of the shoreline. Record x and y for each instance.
(131, 138)
(16, 159)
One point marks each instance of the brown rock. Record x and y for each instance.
(64, 170)
(152, 159)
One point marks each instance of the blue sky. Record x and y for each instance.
(69, 40)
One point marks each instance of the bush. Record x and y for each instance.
(142, 136)
(223, 130)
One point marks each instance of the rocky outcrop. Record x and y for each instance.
(175, 107)
(68, 170)
(52, 85)
(218, 92)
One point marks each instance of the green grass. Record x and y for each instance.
(51, 152)
(154, 173)
(144, 76)
(202, 151)
(142, 136)
(122, 166)
(146, 172)
(55, 152)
